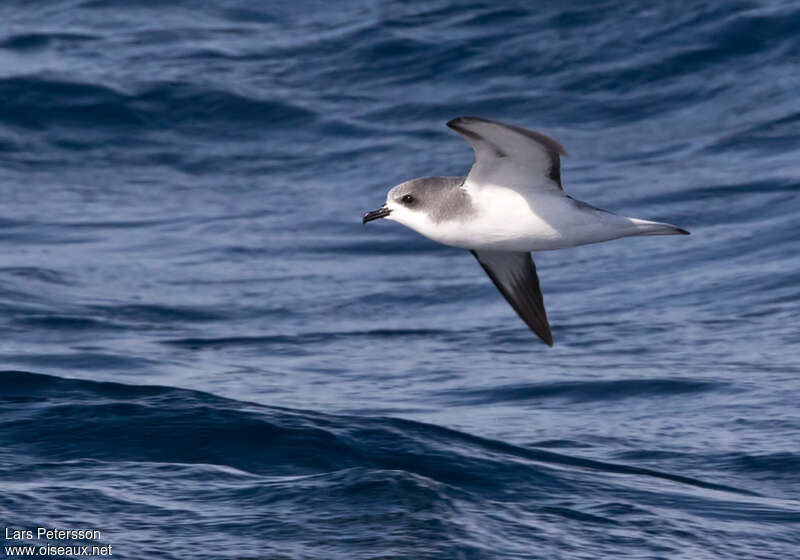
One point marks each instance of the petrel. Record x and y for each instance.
(510, 204)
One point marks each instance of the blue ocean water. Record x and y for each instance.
(206, 355)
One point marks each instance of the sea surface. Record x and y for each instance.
(205, 354)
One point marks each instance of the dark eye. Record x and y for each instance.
(407, 199)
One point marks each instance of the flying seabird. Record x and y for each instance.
(510, 204)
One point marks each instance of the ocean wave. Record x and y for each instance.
(38, 102)
(214, 457)
(265, 440)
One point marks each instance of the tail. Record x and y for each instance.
(646, 227)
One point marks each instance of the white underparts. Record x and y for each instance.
(504, 220)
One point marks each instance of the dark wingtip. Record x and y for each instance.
(546, 335)
(454, 123)
(683, 231)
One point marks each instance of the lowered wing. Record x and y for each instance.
(514, 274)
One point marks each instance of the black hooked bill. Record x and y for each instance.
(381, 212)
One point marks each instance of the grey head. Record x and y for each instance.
(439, 199)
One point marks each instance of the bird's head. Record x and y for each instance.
(405, 204)
(421, 204)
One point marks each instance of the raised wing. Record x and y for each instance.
(514, 274)
(510, 156)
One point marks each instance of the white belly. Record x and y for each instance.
(506, 221)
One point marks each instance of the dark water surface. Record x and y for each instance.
(206, 355)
